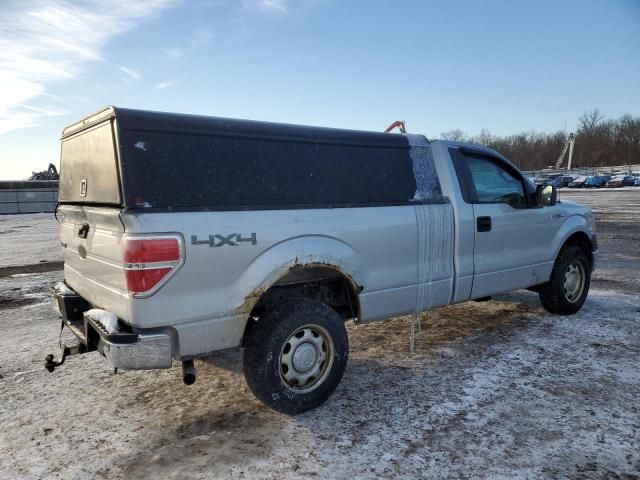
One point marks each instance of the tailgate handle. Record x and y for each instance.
(484, 224)
(83, 231)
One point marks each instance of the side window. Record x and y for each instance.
(494, 184)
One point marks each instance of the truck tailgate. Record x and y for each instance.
(92, 245)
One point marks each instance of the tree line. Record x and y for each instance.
(598, 142)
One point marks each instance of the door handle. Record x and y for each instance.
(483, 224)
(83, 231)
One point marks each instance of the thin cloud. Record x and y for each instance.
(166, 84)
(49, 41)
(24, 116)
(132, 74)
(242, 14)
(269, 6)
(174, 53)
(201, 37)
(248, 15)
(274, 5)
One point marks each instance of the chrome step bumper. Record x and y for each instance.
(137, 350)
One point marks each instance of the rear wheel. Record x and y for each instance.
(295, 355)
(567, 289)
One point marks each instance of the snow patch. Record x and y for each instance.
(108, 320)
(63, 289)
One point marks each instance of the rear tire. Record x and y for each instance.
(568, 287)
(295, 355)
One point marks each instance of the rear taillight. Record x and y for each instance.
(149, 262)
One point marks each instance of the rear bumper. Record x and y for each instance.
(139, 351)
(127, 350)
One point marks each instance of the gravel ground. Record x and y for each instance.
(499, 389)
(28, 239)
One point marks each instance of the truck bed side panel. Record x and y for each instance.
(375, 246)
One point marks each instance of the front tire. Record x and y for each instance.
(295, 355)
(568, 287)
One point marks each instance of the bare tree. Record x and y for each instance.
(599, 142)
(590, 120)
(455, 135)
(484, 137)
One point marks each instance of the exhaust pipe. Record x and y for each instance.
(188, 372)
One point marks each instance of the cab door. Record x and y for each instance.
(512, 237)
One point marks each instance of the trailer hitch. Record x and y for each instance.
(50, 363)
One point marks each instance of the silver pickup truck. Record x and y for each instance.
(186, 235)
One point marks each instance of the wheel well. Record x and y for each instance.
(323, 283)
(581, 240)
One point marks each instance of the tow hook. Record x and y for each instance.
(188, 372)
(50, 363)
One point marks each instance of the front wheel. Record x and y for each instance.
(567, 289)
(295, 355)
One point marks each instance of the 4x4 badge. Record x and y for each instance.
(233, 240)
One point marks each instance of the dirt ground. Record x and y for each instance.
(499, 389)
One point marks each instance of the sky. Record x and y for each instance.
(501, 65)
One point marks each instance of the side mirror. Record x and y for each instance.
(547, 195)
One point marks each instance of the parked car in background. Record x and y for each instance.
(578, 182)
(598, 181)
(636, 182)
(621, 181)
(565, 180)
(554, 181)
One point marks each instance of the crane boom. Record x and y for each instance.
(573, 139)
(568, 145)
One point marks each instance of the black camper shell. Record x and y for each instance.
(135, 159)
